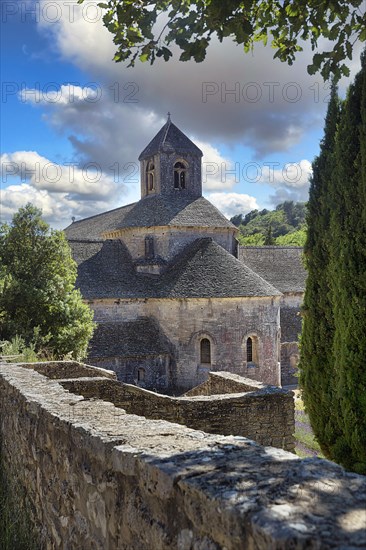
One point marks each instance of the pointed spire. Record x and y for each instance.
(170, 138)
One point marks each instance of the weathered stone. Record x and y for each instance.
(104, 479)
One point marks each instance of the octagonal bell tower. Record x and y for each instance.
(171, 165)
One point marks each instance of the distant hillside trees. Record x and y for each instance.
(333, 347)
(38, 300)
(285, 226)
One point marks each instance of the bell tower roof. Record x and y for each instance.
(168, 140)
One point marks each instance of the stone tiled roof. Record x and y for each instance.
(140, 337)
(204, 269)
(153, 210)
(170, 139)
(93, 227)
(279, 265)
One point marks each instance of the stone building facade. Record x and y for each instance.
(171, 299)
(283, 267)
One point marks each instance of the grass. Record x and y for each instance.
(306, 444)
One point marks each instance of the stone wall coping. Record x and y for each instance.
(52, 366)
(214, 397)
(261, 392)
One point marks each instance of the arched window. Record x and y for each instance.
(149, 247)
(205, 351)
(249, 350)
(141, 373)
(150, 177)
(180, 175)
(252, 350)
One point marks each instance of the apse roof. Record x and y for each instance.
(202, 270)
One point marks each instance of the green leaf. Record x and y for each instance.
(312, 69)
(144, 57)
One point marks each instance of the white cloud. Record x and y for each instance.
(61, 191)
(292, 175)
(66, 94)
(217, 171)
(87, 181)
(264, 103)
(233, 203)
(58, 208)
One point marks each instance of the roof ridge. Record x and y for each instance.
(271, 247)
(71, 240)
(167, 124)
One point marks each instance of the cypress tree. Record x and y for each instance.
(316, 365)
(348, 280)
(333, 347)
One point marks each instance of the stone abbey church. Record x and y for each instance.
(174, 295)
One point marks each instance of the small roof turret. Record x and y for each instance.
(170, 139)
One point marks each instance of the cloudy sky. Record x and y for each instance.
(74, 122)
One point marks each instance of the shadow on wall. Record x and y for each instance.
(283, 503)
(97, 477)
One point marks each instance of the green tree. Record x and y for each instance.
(333, 349)
(295, 212)
(145, 29)
(269, 240)
(257, 239)
(38, 301)
(237, 219)
(316, 365)
(295, 238)
(348, 280)
(261, 221)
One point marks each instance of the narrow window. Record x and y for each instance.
(149, 247)
(141, 375)
(150, 177)
(249, 350)
(180, 171)
(205, 351)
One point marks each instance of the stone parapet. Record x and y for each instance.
(265, 415)
(98, 478)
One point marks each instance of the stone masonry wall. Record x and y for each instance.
(225, 382)
(98, 478)
(264, 414)
(157, 370)
(226, 321)
(290, 333)
(170, 241)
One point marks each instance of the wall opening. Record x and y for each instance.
(252, 350)
(141, 375)
(205, 351)
(249, 350)
(180, 175)
(149, 247)
(150, 177)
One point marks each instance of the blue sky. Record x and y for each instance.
(71, 116)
